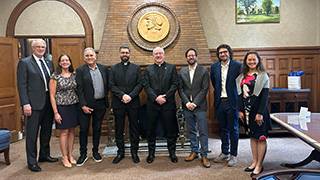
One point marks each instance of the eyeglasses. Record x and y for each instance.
(39, 47)
(223, 52)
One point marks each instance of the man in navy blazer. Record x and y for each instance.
(92, 89)
(223, 78)
(33, 76)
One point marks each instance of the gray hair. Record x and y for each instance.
(89, 49)
(156, 48)
(34, 41)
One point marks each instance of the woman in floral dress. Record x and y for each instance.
(64, 101)
(253, 89)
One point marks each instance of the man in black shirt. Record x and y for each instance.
(126, 86)
(160, 83)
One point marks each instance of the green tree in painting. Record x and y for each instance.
(267, 6)
(247, 4)
(276, 10)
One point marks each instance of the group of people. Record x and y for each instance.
(72, 97)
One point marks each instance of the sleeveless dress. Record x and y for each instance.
(67, 101)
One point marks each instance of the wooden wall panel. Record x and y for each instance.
(71, 46)
(9, 105)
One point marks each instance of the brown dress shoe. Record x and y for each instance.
(205, 162)
(191, 156)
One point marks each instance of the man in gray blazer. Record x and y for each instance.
(193, 89)
(33, 76)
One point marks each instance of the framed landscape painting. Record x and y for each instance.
(257, 11)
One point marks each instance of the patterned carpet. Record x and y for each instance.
(280, 150)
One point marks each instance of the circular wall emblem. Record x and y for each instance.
(152, 25)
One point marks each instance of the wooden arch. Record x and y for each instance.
(86, 22)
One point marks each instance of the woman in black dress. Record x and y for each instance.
(253, 89)
(64, 101)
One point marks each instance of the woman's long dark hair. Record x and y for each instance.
(260, 67)
(59, 68)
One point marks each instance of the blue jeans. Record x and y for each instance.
(197, 121)
(229, 128)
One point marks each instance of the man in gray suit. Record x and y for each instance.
(193, 89)
(33, 76)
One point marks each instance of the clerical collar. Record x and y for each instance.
(125, 63)
(162, 64)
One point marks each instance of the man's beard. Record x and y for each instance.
(125, 59)
(192, 63)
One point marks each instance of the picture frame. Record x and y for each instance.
(257, 11)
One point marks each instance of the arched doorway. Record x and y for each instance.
(87, 25)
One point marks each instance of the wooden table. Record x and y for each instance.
(307, 131)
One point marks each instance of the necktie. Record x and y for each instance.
(44, 69)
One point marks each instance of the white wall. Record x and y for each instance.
(55, 18)
(299, 22)
(299, 25)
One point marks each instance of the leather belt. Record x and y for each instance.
(224, 99)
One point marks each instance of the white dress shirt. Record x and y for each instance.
(192, 69)
(42, 71)
(224, 73)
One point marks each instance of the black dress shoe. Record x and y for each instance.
(248, 169)
(48, 159)
(254, 174)
(34, 168)
(135, 158)
(173, 158)
(150, 158)
(118, 158)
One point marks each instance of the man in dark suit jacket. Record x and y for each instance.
(193, 89)
(223, 77)
(125, 86)
(92, 87)
(33, 76)
(160, 83)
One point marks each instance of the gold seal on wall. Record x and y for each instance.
(153, 26)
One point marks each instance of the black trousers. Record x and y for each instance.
(39, 120)
(120, 114)
(168, 121)
(97, 116)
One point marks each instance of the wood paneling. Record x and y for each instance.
(71, 46)
(9, 106)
